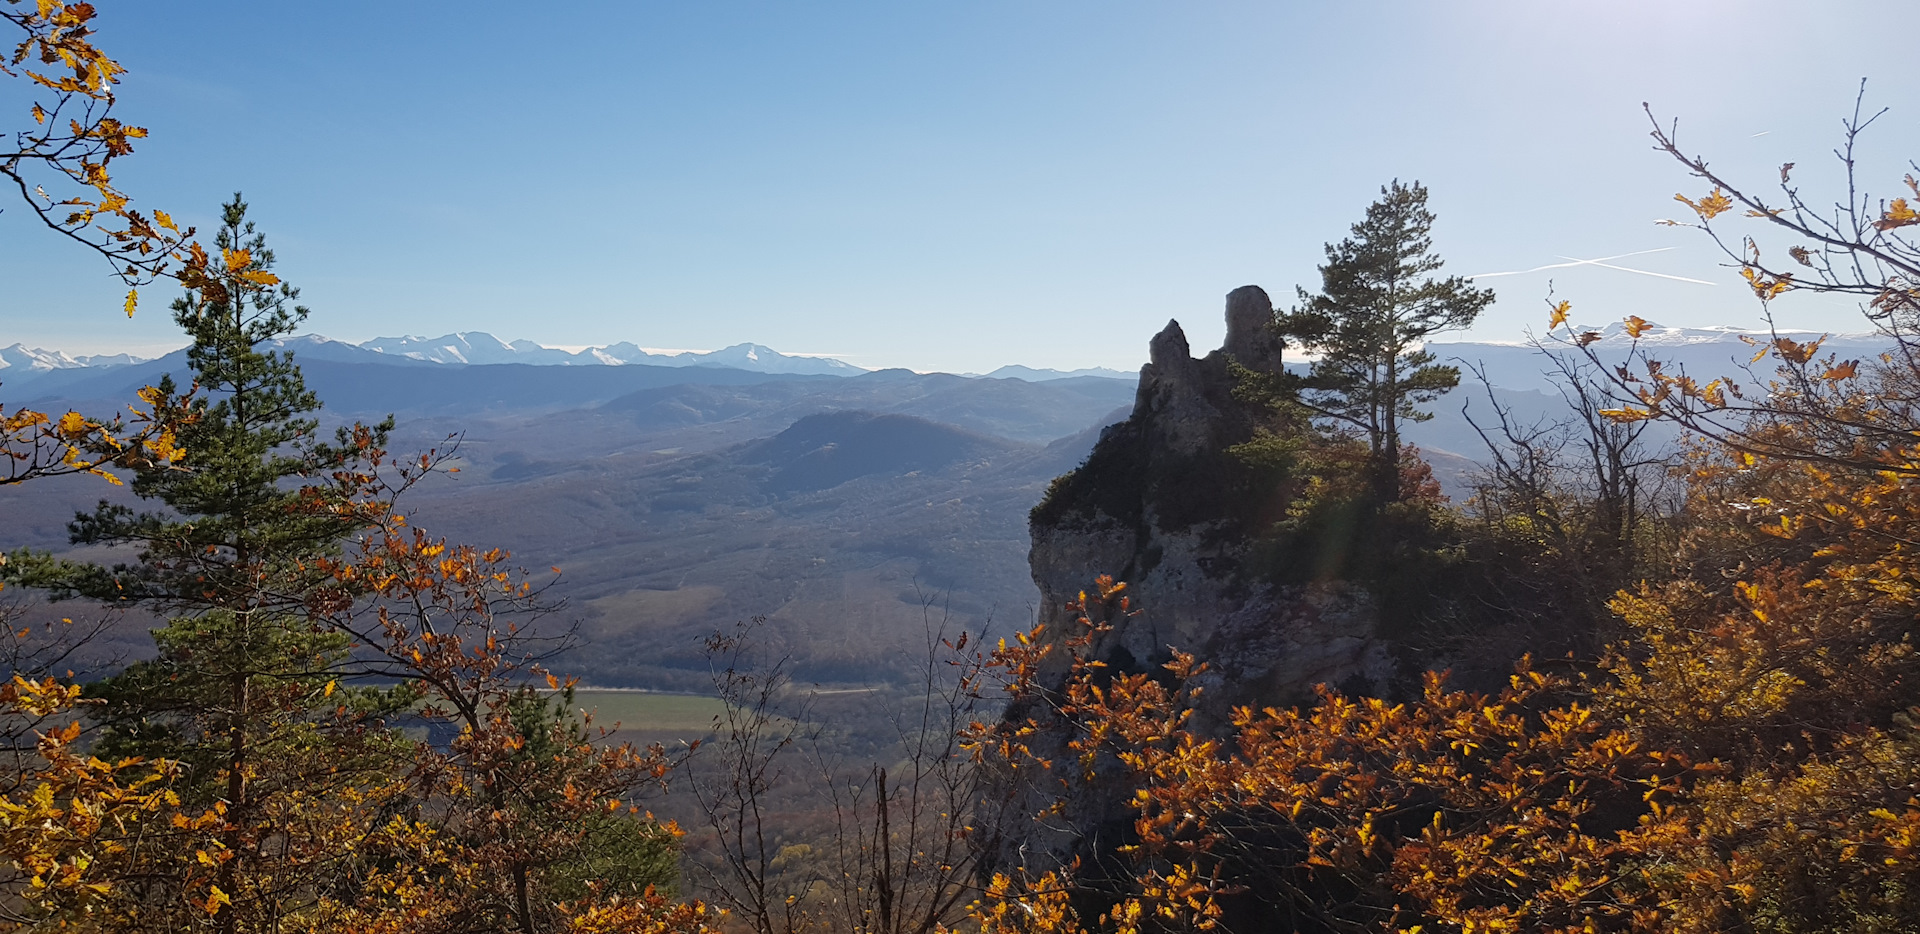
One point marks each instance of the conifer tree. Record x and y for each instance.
(244, 691)
(1378, 304)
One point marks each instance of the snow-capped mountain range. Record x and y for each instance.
(19, 362)
(479, 347)
(1707, 351)
(1509, 363)
(19, 357)
(1659, 335)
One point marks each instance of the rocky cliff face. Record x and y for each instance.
(1162, 505)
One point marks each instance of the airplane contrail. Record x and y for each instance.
(1601, 262)
(1595, 262)
(1522, 272)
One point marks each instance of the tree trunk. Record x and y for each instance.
(236, 800)
(1386, 454)
(522, 900)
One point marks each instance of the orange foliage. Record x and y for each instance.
(69, 145)
(72, 141)
(73, 827)
(516, 789)
(1749, 759)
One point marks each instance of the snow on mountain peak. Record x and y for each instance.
(20, 356)
(479, 347)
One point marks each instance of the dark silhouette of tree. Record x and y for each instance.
(1378, 304)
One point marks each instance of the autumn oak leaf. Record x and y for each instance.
(1709, 206)
(1898, 214)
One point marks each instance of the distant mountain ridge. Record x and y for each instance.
(19, 363)
(1510, 364)
(1708, 352)
(479, 347)
(20, 358)
(1041, 375)
(52, 372)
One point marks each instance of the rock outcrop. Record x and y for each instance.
(1162, 504)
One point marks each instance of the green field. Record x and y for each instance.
(648, 712)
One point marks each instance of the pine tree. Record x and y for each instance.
(1378, 304)
(244, 689)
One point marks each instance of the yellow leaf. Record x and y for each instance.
(1709, 206)
(72, 425)
(1625, 414)
(1899, 214)
(215, 899)
(1767, 289)
(329, 690)
(1636, 326)
(1560, 311)
(162, 218)
(133, 301)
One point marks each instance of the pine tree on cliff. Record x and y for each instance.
(1378, 305)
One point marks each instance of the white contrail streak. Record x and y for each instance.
(1595, 262)
(1602, 263)
(1577, 262)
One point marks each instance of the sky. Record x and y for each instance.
(948, 185)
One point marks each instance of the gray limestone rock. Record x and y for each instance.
(1162, 505)
(1249, 339)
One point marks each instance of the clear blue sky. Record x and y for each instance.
(943, 185)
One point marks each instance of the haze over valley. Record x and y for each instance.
(846, 507)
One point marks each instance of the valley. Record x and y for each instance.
(850, 512)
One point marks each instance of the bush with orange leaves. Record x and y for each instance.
(1796, 671)
(1743, 764)
(1519, 811)
(496, 815)
(1747, 759)
(73, 827)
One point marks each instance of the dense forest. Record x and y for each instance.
(1623, 686)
